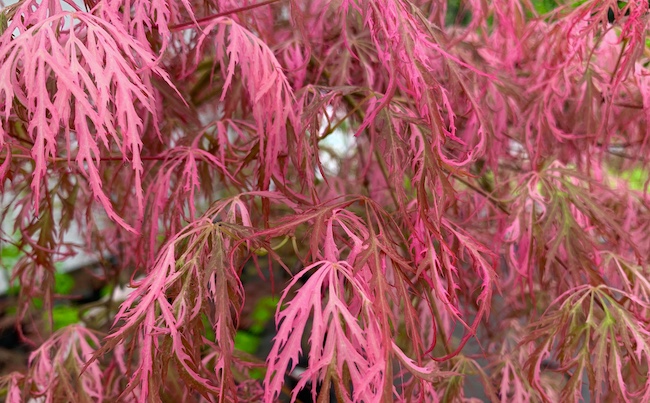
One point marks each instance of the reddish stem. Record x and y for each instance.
(187, 24)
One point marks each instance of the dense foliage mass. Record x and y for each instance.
(436, 194)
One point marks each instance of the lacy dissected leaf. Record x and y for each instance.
(583, 64)
(564, 220)
(441, 263)
(147, 20)
(592, 331)
(58, 370)
(83, 85)
(176, 188)
(628, 276)
(407, 46)
(338, 337)
(13, 384)
(509, 376)
(194, 276)
(269, 92)
(339, 319)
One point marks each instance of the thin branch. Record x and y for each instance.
(204, 20)
(65, 159)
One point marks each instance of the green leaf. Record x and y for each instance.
(63, 283)
(64, 315)
(544, 6)
(3, 23)
(263, 313)
(636, 178)
(247, 342)
(209, 330)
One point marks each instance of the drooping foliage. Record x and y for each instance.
(449, 200)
